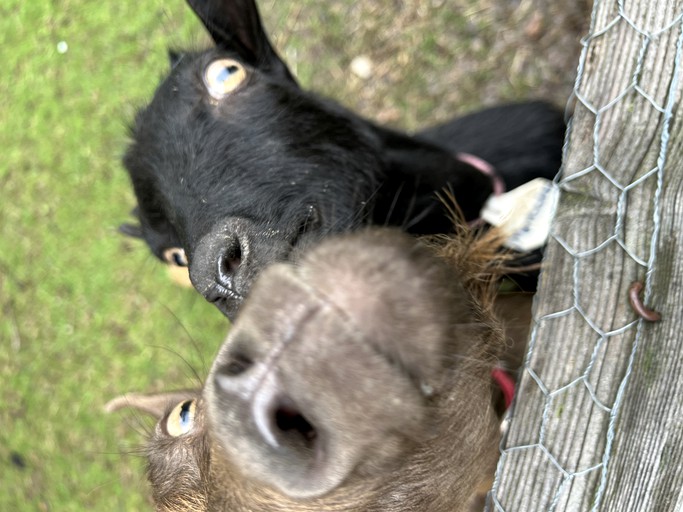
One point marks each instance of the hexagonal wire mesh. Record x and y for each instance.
(563, 409)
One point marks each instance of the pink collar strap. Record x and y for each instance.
(503, 379)
(485, 168)
(506, 384)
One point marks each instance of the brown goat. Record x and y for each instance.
(357, 379)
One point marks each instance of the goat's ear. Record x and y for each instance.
(133, 230)
(154, 404)
(236, 25)
(174, 57)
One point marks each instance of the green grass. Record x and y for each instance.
(86, 314)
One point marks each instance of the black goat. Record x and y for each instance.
(235, 166)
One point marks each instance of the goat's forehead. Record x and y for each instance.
(195, 162)
(253, 141)
(264, 113)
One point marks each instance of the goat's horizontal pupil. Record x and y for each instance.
(181, 419)
(179, 260)
(226, 72)
(185, 416)
(175, 256)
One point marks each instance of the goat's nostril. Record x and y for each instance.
(228, 263)
(291, 422)
(290, 426)
(238, 364)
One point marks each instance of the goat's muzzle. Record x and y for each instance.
(226, 260)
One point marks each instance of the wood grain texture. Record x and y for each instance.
(584, 330)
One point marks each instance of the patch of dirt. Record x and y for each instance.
(414, 62)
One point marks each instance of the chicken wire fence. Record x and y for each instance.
(556, 452)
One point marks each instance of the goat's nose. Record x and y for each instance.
(226, 260)
(279, 422)
(219, 265)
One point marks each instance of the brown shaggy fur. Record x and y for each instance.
(384, 284)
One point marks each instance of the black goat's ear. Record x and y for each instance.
(236, 25)
(174, 57)
(132, 230)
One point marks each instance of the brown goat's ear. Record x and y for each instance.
(154, 404)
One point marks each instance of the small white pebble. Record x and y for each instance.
(62, 47)
(361, 66)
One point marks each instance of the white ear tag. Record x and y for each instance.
(524, 214)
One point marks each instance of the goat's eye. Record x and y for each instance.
(175, 256)
(181, 419)
(223, 76)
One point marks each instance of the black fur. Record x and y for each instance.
(263, 172)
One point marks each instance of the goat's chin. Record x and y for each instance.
(229, 306)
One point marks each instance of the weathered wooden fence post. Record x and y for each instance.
(598, 423)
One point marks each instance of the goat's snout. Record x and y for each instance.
(227, 259)
(278, 421)
(219, 264)
(271, 424)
